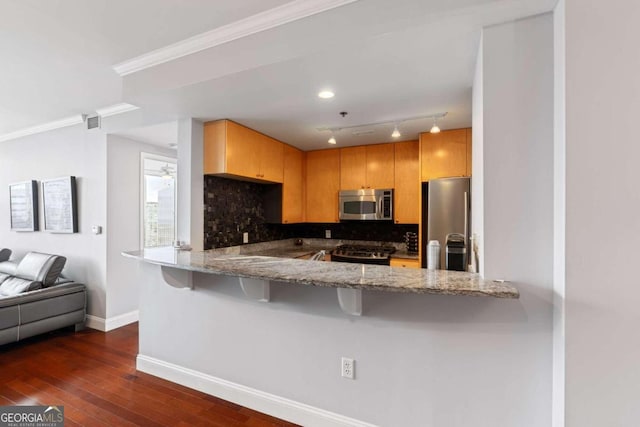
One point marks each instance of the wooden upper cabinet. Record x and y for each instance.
(444, 154)
(353, 167)
(380, 166)
(233, 149)
(292, 186)
(271, 165)
(322, 185)
(469, 147)
(367, 166)
(407, 183)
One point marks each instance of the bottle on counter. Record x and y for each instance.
(433, 255)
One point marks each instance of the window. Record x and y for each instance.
(158, 200)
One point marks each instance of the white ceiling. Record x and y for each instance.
(57, 54)
(163, 134)
(385, 61)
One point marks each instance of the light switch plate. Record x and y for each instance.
(327, 234)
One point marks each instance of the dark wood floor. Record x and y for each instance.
(93, 375)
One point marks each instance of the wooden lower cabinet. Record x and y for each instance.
(405, 263)
(322, 185)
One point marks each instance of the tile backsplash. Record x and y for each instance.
(232, 207)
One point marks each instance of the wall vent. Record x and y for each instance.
(93, 122)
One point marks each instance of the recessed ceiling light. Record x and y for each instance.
(332, 140)
(326, 94)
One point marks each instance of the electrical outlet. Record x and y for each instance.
(327, 234)
(245, 237)
(348, 368)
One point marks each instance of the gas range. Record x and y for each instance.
(363, 254)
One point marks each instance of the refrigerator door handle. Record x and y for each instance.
(466, 220)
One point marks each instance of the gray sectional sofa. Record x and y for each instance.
(34, 298)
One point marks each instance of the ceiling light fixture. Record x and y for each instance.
(435, 128)
(326, 94)
(396, 133)
(332, 140)
(167, 172)
(396, 124)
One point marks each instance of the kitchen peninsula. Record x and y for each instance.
(247, 264)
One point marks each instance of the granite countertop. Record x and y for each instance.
(328, 274)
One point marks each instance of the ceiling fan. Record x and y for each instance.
(167, 171)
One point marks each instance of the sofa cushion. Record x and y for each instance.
(38, 267)
(15, 285)
(3, 277)
(8, 267)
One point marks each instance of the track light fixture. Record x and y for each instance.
(396, 133)
(435, 128)
(396, 126)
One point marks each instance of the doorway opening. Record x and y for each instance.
(158, 219)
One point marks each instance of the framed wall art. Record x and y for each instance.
(23, 202)
(60, 205)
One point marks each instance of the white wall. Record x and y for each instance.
(559, 220)
(123, 220)
(602, 220)
(69, 151)
(420, 360)
(517, 172)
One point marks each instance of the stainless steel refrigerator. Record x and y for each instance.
(446, 210)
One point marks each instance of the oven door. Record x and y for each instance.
(359, 207)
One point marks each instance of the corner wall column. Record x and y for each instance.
(190, 183)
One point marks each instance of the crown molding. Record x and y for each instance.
(57, 124)
(253, 24)
(112, 110)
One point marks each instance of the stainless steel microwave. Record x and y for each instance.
(366, 205)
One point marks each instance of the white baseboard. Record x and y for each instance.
(257, 400)
(106, 325)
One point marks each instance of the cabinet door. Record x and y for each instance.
(353, 168)
(323, 184)
(242, 151)
(271, 159)
(215, 147)
(443, 154)
(406, 195)
(380, 166)
(292, 186)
